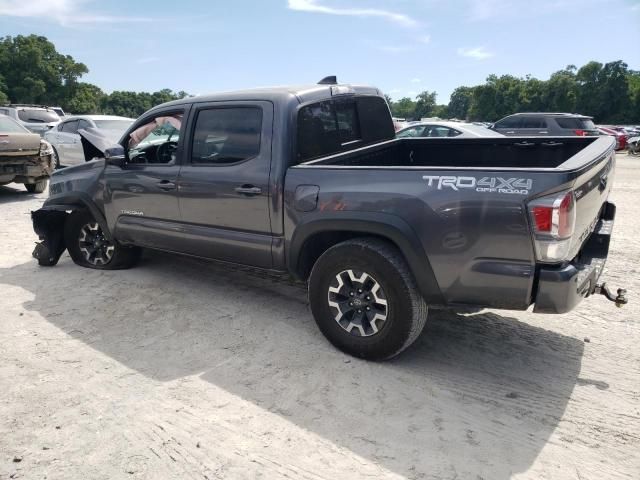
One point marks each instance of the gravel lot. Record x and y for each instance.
(186, 369)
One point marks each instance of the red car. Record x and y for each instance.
(621, 138)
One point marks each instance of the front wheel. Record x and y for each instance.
(38, 187)
(365, 300)
(89, 247)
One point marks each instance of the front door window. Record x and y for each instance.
(155, 142)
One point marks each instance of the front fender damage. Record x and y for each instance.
(49, 226)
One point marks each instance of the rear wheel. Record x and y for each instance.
(38, 187)
(89, 247)
(365, 300)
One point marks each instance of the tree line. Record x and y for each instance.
(33, 71)
(608, 92)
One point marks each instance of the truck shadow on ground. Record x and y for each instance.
(477, 396)
(14, 193)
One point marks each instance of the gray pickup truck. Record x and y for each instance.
(311, 180)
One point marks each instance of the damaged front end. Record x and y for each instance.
(49, 226)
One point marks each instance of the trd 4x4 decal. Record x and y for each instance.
(517, 186)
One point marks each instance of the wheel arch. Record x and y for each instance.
(77, 201)
(312, 238)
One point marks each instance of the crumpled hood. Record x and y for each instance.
(95, 141)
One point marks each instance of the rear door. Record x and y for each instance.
(224, 187)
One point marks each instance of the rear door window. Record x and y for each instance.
(533, 122)
(69, 127)
(226, 135)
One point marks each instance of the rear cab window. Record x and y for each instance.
(341, 124)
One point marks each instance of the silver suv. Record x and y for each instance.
(552, 124)
(35, 118)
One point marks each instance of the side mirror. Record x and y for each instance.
(115, 155)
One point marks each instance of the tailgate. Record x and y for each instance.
(591, 191)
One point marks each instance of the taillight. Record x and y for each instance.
(580, 133)
(553, 219)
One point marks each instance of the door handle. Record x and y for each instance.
(166, 185)
(510, 132)
(248, 190)
(543, 131)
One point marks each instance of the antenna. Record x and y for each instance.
(330, 80)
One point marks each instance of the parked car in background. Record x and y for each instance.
(536, 124)
(399, 123)
(620, 136)
(24, 156)
(59, 111)
(446, 129)
(36, 118)
(67, 146)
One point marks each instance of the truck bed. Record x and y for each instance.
(485, 153)
(476, 235)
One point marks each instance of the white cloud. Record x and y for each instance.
(313, 6)
(415, 80)
(478, 53)
(64, 12)
(395, 90)
(424, 39)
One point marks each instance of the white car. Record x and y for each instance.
(440, 129)
(67, 147)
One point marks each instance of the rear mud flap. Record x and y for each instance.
(49, 226)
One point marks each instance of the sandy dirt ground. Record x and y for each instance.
(181, 369)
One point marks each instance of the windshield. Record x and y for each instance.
(9, 125)
(116, 126)
(37, 115)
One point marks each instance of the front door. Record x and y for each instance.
(141, 198)
(224, 182)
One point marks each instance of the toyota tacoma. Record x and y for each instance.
(312, 181)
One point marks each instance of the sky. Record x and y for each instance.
(401, 46)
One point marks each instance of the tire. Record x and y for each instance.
(56, 159)
(392, 315)
(89, 248)
(38, 187)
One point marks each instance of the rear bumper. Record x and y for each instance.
(560, 289)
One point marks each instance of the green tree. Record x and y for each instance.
(34, 72)
(425, 104)
(404, 108)
(562, 90)
(86, 98)
(460, 102)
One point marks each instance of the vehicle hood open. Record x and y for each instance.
(95, 142)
